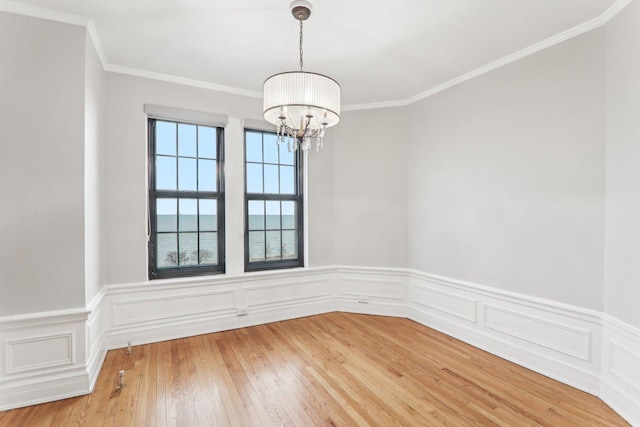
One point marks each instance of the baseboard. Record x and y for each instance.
(49, 356)
(620, 377)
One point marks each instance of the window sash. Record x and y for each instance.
(156, 271)
(296, 197)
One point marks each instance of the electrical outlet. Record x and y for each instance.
(242, 311)
(363, 299)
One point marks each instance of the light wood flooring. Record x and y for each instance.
(334, 369)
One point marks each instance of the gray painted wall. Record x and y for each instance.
(125, 157)
(506, 177)
(41, 165)
(94, 135)
(320, 195)
(499, 180)
(370, 188)
(622, 244)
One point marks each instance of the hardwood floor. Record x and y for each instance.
(334, 369)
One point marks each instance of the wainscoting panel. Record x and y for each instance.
(445, 302)
(556, 340)
(43, 357)
(554, 336)
(379, 291)
(621, 369)
(161, 310)
(624, 364)
(154, 313)
(271, 295)
(46, 351)
(139, 310)
(50, 356)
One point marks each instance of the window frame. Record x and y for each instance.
(154, 194)
(298, 198)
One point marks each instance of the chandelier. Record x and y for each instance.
(301, 104)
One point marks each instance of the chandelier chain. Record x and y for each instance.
(301, 21)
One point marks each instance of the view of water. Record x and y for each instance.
(266, 240)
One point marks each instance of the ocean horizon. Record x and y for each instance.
(179, 242)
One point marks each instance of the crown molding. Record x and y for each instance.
(37, 12)
(91, 29)
(530, 50)
(42, 13)
(181, 80)
(65, 18)
(376, 105)
(613, 10)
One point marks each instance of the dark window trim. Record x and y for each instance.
(298, 198)
(167, 273)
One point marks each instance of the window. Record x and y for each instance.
(273, 203)
(186, 199)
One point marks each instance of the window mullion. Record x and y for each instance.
(264, 227)
(281, 239)
(263, 163)
(177, 160)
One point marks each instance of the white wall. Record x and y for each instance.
(506, 177)
(622, 245)
(370, 188)
(41, 165)
(94, 129)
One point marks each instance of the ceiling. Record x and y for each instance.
(384, 53)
